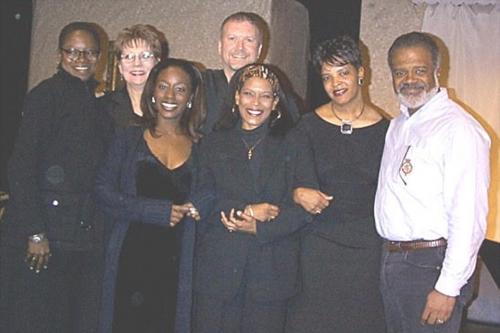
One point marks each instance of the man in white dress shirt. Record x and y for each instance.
(431, 201)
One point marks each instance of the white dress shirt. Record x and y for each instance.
(433, 183)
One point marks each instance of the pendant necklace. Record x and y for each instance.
(251, 148)
(346, 125)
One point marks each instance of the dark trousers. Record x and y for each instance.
(239, 315)
(406, 280)
(64, 298)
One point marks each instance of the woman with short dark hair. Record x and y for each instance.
(52, 237)
(341, 145)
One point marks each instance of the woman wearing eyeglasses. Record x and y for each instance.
(138, 49)
(52, 237)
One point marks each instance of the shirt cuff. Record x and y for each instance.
(447, 286)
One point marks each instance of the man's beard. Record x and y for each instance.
(415, 101)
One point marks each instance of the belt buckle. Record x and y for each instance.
(394, 246)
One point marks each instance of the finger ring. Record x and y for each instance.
(440, 321)
(318, 211)
(230, 230)
(193, 211)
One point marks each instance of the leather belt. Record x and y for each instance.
(393, 246)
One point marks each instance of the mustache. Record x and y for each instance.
(411, 86)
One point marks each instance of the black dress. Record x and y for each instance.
(146, 285)
(340, 249)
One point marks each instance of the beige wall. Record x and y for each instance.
(191, 28)
(381, 23)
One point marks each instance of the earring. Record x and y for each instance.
(233, 110)
(189, 105)
(360, 81)
(279, 114)
(153, 100)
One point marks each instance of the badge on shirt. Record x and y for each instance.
(406, 166)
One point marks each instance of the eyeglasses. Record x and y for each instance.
(73, 54)
(143, 57)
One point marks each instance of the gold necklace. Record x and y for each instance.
(346, 125)
(251, 148)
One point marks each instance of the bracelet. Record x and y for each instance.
(37, 238)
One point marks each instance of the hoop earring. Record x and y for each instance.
(360, 81)
(279, 114)
(153, 100)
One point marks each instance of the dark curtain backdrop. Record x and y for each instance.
(328, 18)
(15, 47)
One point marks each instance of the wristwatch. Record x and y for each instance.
(37, 238)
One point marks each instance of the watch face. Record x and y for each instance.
(37, 238)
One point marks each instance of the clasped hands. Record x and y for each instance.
(178, 212)
(246, 220)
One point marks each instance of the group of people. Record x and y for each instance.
(198, 201)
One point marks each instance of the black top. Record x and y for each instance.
(346, 167)
(61, 141)
(156, 181)
(252, 141)
(118, 105)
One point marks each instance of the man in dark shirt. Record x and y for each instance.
(241, 42)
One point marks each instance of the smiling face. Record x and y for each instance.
(414, 76)
(173, 90)
(137, 60)
(79, 54)
(240, 44)
(341, 82)
(255, 102)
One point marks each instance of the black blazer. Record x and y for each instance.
(268, 262)
(61, 142)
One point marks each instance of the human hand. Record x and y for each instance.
(38, 254)
(312, 200)
(177, 213)
(438, 308)
(239, 221)
(262, 212)
(192, 211)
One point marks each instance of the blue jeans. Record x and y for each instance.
(406, 278)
